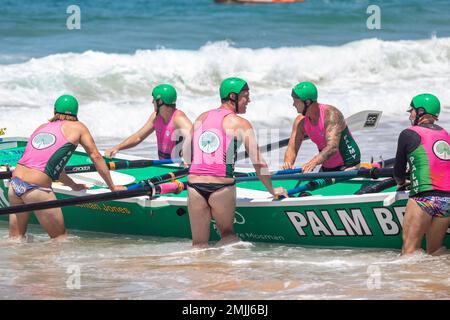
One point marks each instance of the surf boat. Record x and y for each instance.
(329, 215)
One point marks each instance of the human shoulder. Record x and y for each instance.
(407, 133)
(409, 137)
(42, 126)
(75, 125)
(299, 120)
(152, 117)
(180, 115)
(333, 112)
(237, 122)
(202, 116)
(334, 117)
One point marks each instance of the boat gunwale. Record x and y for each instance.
(162, 201)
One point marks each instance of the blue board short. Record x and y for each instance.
(21, 187)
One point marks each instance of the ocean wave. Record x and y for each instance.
(364, 74)
(97, 75)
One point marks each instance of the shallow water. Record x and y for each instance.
(120, 267)
(147, 268)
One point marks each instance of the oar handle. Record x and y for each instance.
(377, 187)
(146, 187)
(107, 196)
(312, 185)
(130, 164)
(160, 179)
(374, 173)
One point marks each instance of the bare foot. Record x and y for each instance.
(232, 238)
(61, 238)
(442, 250)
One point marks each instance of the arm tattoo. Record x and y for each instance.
(334, 125)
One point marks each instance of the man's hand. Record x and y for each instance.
(309, 166)
(119, 188)
(287, 165)
(278, 192)
(78, 186)
(403, 185)
(111, 152)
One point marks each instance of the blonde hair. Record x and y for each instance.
(61, 117)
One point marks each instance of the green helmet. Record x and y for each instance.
(305, 91)
(166, 93)
(66, 104)
(231, 85)
(428, 102)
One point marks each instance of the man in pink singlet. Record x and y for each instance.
(170, 124)
(46, 154)
(326, 127)
(425, 146)
(216, 137)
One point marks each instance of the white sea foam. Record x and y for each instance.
(114, 90)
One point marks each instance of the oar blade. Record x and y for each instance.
(364, 120)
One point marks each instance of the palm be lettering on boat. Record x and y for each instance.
(346, 222)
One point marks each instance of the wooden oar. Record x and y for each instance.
(146, 187)
(374, 173)
(129, 164)
(368, 119)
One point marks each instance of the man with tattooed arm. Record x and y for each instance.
(326, 127)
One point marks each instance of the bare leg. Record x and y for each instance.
(415, 224)
(199, 217)
(51, 220)
(436, 234)
(223, 206)
(18, 222)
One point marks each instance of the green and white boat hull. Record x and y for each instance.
(331, 217)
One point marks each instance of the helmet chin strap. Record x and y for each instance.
(158, 106)
(306, 107)
(419, 114)
(236, 103)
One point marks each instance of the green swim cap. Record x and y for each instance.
(166, 93)
(66, 104)
(231, 85)
(428, 102)
(305, 91)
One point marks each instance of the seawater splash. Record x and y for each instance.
(95, 76)
(114, 90)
